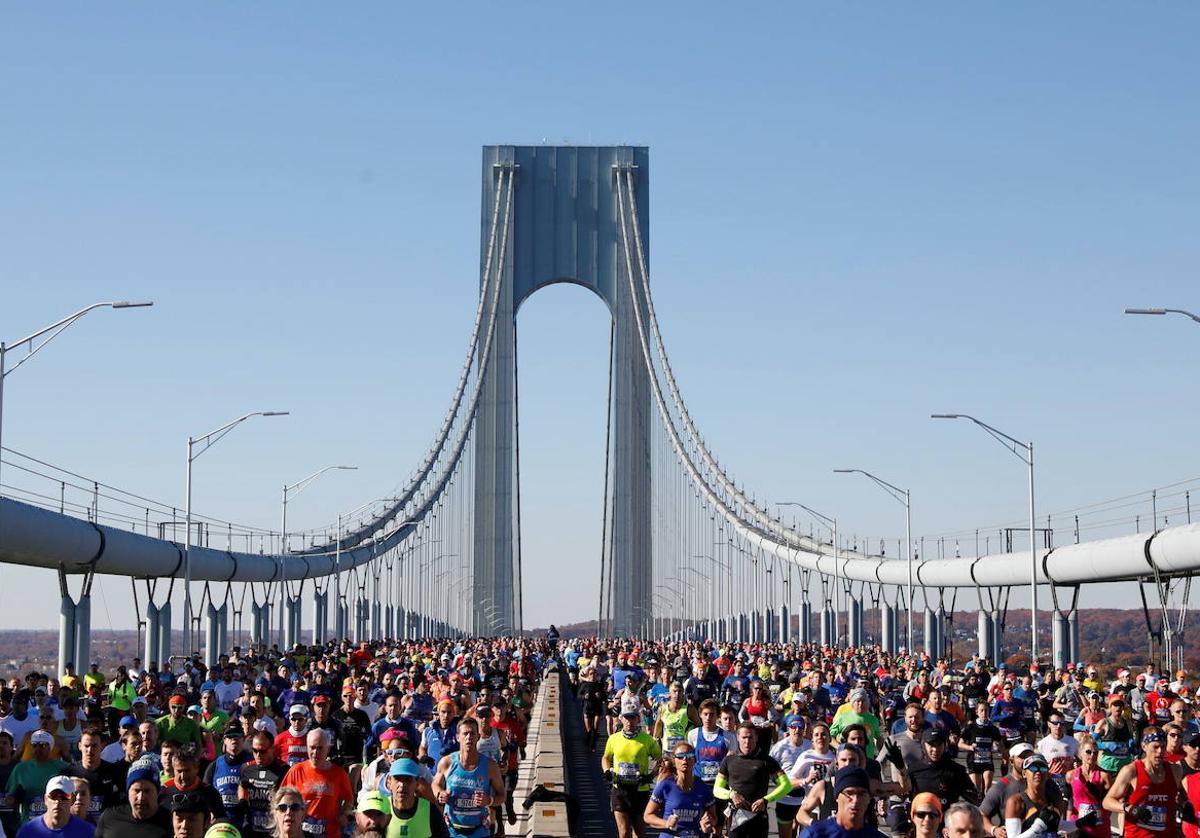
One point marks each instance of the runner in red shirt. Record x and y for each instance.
(291, 745)
(325, 787)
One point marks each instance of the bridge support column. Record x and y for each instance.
(806, 622)
(997, 654)
(826, 617)
(943, 629)
(1073, 636)
(854, 630)
(770, 626)
(164, 635)
(256, 627)
(215, 626)
(985, 636)
(320, 615)
(887, 637)
(66, 637)
(341, 620)
(931, 634)
(293, 608)
(1060, 640)
(785, 624)
(389, 621)
(150, 649)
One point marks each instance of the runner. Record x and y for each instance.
(468, 784)
(628, 761)
(324, 786)
(1145, 792)
(679, 803)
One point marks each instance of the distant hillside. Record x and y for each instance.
(1106, 635)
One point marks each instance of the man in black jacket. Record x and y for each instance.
(942, 776)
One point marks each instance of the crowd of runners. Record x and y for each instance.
(423, 738)
(414, 738)
(705, 739)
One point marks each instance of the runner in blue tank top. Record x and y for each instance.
(466, 785)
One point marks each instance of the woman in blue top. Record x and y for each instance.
(679, 804)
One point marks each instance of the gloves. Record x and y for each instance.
(893, 754)
(608, 775)
(1187, 812)
(1089, 820)
(1038, 827)
(1139, 814)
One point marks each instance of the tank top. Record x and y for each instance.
(71, 736)
(1085, 801)
(1159, 798)
(490, 747)
(415, 826)
(756, 711)
(462, 784)
(675, 726)
(709, 754)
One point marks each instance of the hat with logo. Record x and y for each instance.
(933, 736)
(60, 783)
(1020, 750)
(41, 737)
(373, 801)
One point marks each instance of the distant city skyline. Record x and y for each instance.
(858, 218)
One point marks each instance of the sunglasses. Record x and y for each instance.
(395, 752)
(261, 750)
(925, 814)
(289, 807)
(1037, 769)
(1090, 751)
(685, 755)
(58, 796)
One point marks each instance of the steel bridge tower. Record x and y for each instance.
(564, 227)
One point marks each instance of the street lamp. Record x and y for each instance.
(905, 498)
(1161, 311)
(832, 524)
(1023, 452)
(208, 440)
(49, 333)
(296, 488)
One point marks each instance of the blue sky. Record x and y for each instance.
(860, 215)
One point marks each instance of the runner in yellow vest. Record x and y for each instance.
(674, 719)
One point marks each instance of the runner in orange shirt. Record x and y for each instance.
(325, 787)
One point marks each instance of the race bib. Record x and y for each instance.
(313, 826)
(628, 770)
(1158, 818)
(708, 771)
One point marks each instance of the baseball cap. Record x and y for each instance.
(1115, 699)
(404, 768)
(60, 783)
(41, 737)
(223, 830)
(298, 710)
(373, 801)
(141, 699)
(633, 714)
(1036, 759)
(322, 699)
(796, 722)
(129, 721)
(1020, 750)
(1193, 740)
(196, 708)
(233, 731)
(185, 802)
(933, 736)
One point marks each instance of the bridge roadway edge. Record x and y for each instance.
(557, 757)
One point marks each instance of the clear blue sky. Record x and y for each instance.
(860, 215)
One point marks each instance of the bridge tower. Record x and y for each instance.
(564, 227)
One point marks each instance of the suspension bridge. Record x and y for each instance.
(684, 549)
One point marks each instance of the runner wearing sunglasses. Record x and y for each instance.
(679, 803)
(1032, 813)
